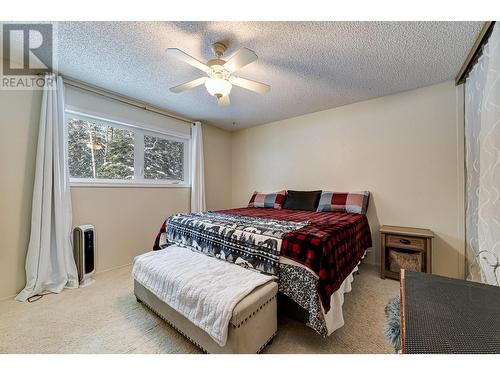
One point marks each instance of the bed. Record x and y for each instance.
(313, 254)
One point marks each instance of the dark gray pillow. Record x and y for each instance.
(302, 200)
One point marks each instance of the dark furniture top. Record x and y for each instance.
(444, 315)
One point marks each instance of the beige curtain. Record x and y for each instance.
(49, 262)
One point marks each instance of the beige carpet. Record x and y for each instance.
(105, 318)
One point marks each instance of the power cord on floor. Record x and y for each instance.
(36, 297)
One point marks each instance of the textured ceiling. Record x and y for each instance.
(311, 66)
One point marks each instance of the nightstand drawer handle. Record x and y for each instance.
(405, 241)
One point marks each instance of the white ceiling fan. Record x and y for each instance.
(220, 78)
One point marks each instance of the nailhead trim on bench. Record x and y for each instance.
(267, 342)
(174, 326)
(197, 344)
(253, 313)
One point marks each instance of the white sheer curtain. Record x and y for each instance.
(49, 262)
(197, 169)
(482, 152)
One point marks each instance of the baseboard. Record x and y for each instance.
(97, 273)
(8, 297)
(371, 258)
(113, 268)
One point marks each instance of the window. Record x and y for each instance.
(111, 152)
(97, 150)
(163, 159)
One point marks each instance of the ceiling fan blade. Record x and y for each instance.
(188, 85)
(183, 56)
(248, 84)
(223, 101)
(240, 59)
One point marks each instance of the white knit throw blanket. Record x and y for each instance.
(203, 289)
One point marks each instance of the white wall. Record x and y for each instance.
(402, 148)
(126, 218)
(20, 113)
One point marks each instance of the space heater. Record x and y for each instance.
(84, 253)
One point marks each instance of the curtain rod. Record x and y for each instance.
(475, 52)
(121, 98)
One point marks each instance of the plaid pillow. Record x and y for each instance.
(356, 203)
(271, 200)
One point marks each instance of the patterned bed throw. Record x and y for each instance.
(250, 242)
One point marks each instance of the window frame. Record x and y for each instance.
(139, 131)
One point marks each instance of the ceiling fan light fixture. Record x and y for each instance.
(219, 79)
(218, 86)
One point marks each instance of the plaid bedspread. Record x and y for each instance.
(331, 245)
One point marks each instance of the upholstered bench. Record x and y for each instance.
(252, 326)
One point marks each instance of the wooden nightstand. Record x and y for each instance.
(413, 245)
